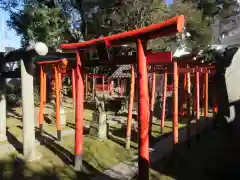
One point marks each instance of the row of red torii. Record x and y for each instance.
(161, 62)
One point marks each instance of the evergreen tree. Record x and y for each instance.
(55, 22)
(212, 8)
(134, 14)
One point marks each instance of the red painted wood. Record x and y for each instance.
(143, 114)
(159, 57)
(152, 100)
(73, 88)
(130, 108)
(206, 95)
(197, 101)
(186, 70)
(100, 87)
(173, 25)
(86, 88)
(164, 102)
(41, 117)
(79, 109)
(175, 102)
(57, 61)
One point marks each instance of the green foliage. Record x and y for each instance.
(13, 95)
(37, 22)
(196, 25)
(215, 7)
(50, 22)
(137, 13)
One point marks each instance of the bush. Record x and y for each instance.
(13, 95)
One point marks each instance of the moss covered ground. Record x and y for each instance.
(57, 157)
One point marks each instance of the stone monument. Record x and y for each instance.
(98, 127)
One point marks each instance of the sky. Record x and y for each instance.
(169, 1)
(10, 38)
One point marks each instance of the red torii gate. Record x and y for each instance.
(187, 68)
(186, 65)
(103, 76)
(140, 37)
(57, 65)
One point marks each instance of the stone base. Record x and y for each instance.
(36, 157)
(3, 138)
(98, 127)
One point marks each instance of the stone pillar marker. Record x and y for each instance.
(24, 55)
(3, 106)
(98, 127)
(29, 146)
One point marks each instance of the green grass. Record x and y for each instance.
(156, 133)
(99, 154)
(167, 129)
(15, 168)
(104, 154)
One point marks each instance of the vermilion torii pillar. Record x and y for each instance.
(182, 110)
(152, 103)
(189, 118)
(73, 88)
(93, 86)
(44, 88)
(79, 116)
(57, 94)
(111, 87)
(86, 87)
(130, 108)
(197, 100)
(119, 86)
(143, 108)
(175, 102)
(103, 84)
(206, 95)
(41, 117)
(164, 97)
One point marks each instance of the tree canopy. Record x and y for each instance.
(58, 21)
(134, 14)
(215, 7)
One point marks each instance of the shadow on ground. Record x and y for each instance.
(215, 157)
(14, 142)
(15, 168)
(13, 114)
(118, 135)
(85, 129)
